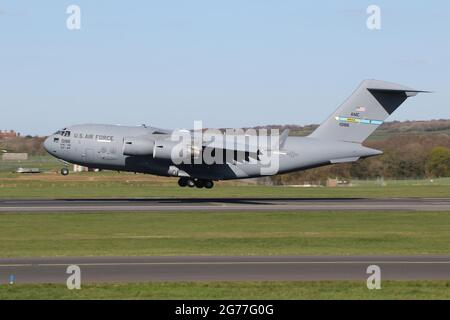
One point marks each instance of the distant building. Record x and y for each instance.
(14, 156)
(332, 183)
(8, 134)
(78, 168)
(337, 183)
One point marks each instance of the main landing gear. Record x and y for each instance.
(187, 182)
(64, 171)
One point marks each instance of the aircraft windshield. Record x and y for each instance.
(63, 133)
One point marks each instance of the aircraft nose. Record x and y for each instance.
(47, 144)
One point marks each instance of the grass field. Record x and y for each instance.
(193, 233)
(230, 233)
(392, 290)
(115, 185)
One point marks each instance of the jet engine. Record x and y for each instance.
(159, 149)
(166, 149)
(138, 146)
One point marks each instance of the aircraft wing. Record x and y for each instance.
(246, 143)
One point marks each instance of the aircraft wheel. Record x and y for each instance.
(182, 182)
(190, 183)
(64, 171)
(209, 184)
(199, 183)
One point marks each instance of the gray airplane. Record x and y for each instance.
(151, 150)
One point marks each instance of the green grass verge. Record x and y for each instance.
(392, 290)
(19, 189)
(231, 233)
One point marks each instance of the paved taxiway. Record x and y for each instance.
(224, 204)
(137, 269)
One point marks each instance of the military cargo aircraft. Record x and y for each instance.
(200, 157)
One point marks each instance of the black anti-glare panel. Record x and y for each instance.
(389, 99)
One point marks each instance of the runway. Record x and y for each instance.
(225, 204)
(301, 268)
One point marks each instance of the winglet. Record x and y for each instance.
(283, 137)
(277, 141)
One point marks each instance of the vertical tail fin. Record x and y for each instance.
(366, 109)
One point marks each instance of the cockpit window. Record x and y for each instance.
(63, 133)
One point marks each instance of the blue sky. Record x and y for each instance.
(229, 63)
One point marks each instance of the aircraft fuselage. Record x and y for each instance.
(102, 147)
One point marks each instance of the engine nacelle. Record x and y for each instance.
(165, 149)
(138, 146)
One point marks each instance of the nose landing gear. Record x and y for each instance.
(199, 183)
(64, 171)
